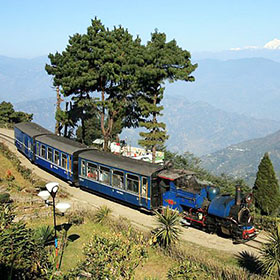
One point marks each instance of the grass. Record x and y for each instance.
(156, 266)
(7, 165)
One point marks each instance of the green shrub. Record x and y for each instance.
(267, 223)
(270, 257)
(102, 215)
(185, 271)
(44, 235)
(168, 231)
(4, 198)
(76, 218)
(111, 256)
(21, 257)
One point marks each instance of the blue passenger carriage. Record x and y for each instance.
(59, 155)
(129, 180)
(25, 134)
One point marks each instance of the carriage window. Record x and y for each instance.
(70, 162)
(92, 171)
(49, 154)
(83, 168)
(144, 186)
(104, 175)
(118, 179)
(56, 157)
(132, 183)
(43, 151)
(29, 144)
(63, 160)
(37, 149)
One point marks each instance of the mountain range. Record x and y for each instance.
(232, 100)
(242, 160)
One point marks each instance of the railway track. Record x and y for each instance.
(256, 244)
(7, 138)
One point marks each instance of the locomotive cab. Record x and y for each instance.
(203, 206)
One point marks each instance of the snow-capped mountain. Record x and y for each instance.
(273, 45)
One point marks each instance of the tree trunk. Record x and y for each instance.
(58, 102)
(102, 121)
(154, 130)
(106, 132)
(83, 130)
(65, 130)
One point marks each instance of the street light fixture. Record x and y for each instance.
(52, 189)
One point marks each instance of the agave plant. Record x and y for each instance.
(102, 214)
(45, 235)
(168, 230)
(270, 253)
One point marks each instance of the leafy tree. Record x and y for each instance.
(266, 188)
(168, 230)
(90, 130)
(110, 257)
(9, 115)
(161, 61)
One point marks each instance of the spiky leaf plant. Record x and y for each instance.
(102, 214)
(45, 235)
(270, 253)
(168, 230)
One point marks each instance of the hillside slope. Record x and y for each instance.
(242, 160)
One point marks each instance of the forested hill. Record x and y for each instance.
(193, 126)
(242, 160)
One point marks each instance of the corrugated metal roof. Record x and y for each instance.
(125, 163)
(32, 129)
(173, 174)
(61, 143)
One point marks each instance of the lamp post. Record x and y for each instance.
(52, 189)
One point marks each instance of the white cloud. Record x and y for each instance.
(245, 48)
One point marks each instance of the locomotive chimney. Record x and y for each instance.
(237, 195)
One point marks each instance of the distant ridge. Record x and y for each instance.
(242, 160)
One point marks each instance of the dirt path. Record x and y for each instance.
(82, 198)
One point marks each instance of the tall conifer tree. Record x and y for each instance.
(161, 61)
(266, 189)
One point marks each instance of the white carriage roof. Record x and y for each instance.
(61, 143)
(120, 162)
(173, 174)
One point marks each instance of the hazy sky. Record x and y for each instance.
(31, 28)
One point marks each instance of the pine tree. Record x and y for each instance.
(101, 61)
(9, 115)
(162, 61)
(266, 189)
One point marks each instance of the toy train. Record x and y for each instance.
(138, 183)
